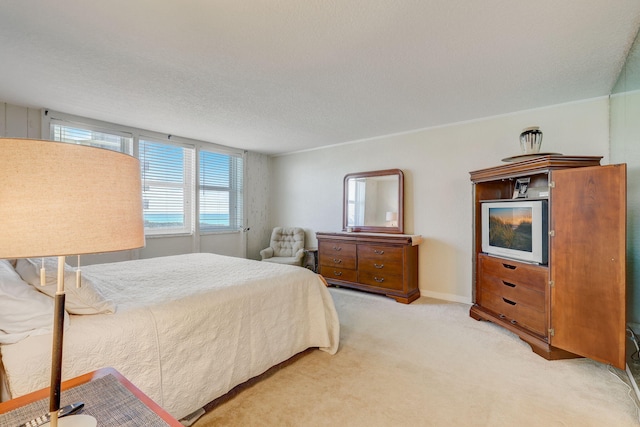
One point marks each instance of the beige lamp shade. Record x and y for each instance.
(61, 199)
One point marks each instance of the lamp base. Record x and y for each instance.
(75, 421)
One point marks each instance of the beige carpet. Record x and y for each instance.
(426, 364)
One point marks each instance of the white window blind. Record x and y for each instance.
(167, 187)
(220, 182)
(87, 135)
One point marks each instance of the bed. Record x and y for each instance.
(185, 329)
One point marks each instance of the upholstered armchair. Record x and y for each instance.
(286, 246)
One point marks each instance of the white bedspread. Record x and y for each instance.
(188, 328)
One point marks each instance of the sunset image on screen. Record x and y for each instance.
(511, 228)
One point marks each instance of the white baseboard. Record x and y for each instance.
(633, 382)
(445, 297)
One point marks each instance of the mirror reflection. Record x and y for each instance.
(373, 201)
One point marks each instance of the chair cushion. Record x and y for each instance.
(287, 241)
(283, 260)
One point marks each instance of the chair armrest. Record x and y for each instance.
(300, 254)
(266, 253)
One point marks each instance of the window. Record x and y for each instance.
(167, 187)
(356, 205)
(172, 180)
(88, 135)
(220, 191)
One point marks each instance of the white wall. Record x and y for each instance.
(257, 195)
(19, 122)
(625, 147)
(307, 186)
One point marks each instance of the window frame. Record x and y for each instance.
(187, 186)
(127, 149)
(235, 190)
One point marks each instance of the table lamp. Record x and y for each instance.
(392, 217)
(59, 199)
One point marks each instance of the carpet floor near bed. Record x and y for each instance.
(426, 364)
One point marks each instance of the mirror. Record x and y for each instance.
(374, 202)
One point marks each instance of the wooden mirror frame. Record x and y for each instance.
(399, 229)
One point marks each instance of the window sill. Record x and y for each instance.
(158, 236)
(208, 233)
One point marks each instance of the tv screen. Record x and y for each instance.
(511, 228)
(515, 229)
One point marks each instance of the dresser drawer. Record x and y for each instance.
(337, 254)
(379, 253)
(380, 260)
(514, 312)
(380, 279)
(337, 273)
(534, 277)
(380, 266)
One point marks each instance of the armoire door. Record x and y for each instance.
(587, 262)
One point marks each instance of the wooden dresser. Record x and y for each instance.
(382, 263)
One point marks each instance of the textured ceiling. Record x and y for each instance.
(286, 75)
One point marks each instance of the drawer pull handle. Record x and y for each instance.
(379, 279)
(337, 273)
(337, 261)
(502, 316)
(509, 266)
(337, 248)
(508, 301)
(377, 252)
(378, 265)
(511, 285)
(514, 322)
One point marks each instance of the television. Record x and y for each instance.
(515, 229)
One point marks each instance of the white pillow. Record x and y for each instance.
(84, 300)
(23, 310)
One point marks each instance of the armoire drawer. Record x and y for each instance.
(337, 254)
(521, 274)
(515, 312)
(512, 291)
